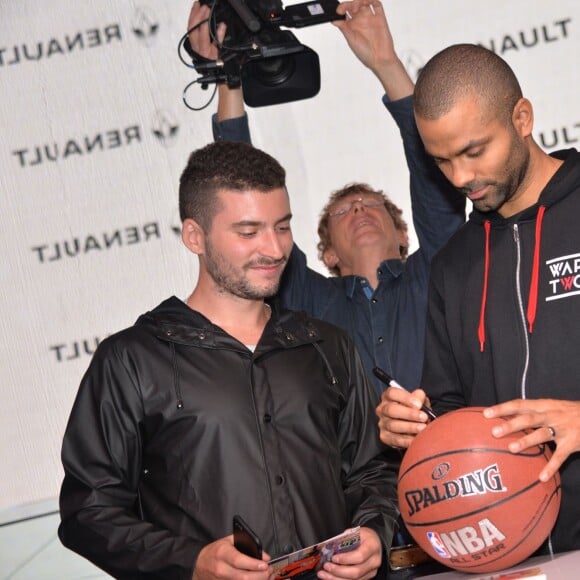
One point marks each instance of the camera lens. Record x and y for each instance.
(274, 71)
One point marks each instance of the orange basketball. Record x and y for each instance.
(468, 501)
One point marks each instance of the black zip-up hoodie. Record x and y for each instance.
(177, 426)
(504, 316)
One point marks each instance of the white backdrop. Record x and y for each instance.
(94, 138)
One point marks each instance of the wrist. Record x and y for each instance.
(394, 78)
(230, 102)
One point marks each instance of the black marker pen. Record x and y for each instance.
(389, 381)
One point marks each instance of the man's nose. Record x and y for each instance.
(462, 174)
(272, 245)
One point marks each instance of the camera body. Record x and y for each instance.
(269, 63)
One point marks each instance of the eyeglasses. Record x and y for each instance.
(341, 209)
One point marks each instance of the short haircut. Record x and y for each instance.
(355, 189)
(466, 70)
(224, 165)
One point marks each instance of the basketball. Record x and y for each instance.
(468, 501)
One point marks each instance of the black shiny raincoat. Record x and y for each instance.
(177, 426)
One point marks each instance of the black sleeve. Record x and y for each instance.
(369, 468)
(102, 459)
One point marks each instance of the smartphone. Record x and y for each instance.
(245, 539)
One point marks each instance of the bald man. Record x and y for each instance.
(503, 324)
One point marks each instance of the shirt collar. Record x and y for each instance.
(387, 269)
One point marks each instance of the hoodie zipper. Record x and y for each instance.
(526, 337)
(522, 312)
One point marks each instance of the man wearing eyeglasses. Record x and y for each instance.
(376, 292)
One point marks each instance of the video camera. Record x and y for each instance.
(269, 63)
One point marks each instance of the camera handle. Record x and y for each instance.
(247, 16)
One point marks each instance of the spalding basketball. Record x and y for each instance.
(468, 501)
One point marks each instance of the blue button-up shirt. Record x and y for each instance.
(388, 327)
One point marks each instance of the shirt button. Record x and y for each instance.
(380, 340)
(374, 300)
(279, 480)
(267, 418)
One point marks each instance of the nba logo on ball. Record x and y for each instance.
(437, 544)
(468, 501)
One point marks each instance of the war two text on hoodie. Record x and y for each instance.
(504, 316)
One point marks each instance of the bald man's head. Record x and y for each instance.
(466, 71)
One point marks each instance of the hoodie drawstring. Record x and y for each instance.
(331, 376)
(333, 380)
(534, 281)
(481, 328)
(176, 383)
(533, 298)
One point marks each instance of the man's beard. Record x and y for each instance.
(502, 191)
(233, 280)
(499, 193)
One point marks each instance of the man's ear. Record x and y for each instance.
(330, 259)
(193, 236)
(403, 237)
(523, 117)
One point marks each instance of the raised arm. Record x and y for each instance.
(438, 209)
(230, 123)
